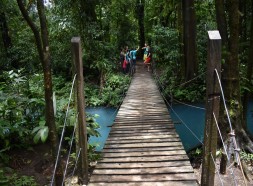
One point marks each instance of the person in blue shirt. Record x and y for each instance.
(133, 54)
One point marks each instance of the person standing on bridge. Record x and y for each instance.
(122, 58)
(145, 52)
(147, 62)
(133, 58)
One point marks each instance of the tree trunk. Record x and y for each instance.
(231, 67)
(88, 10)
(230, 76)
(7, 43)
(189, 19)
(43, 50)
(181, 38)
(140, 10)
(5, 32)
(249, 74)
(221, 21)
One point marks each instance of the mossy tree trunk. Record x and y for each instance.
(189, 27)
(230, 75)
(42, 44)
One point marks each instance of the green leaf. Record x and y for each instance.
(44, 134)
(36, 129)
(36, 138)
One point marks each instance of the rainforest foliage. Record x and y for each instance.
(36, 60)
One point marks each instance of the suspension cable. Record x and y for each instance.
(224, 101)
(63, 130)
(193, 106)
(77, 158)
(224, 147)
(180, 118)
(216, 169)
(189, 80)
(70, 149)
(230, 125)
(186, 104)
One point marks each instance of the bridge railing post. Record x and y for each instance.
(82, 131)
(212, 108)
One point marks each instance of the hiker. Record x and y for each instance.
(148, 59)
(122, 57)
(133, 54)
(145, 52)
(128, 58)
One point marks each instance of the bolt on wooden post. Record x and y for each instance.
(212, 108)
(82, 131)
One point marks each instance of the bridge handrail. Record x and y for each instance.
(63, 130)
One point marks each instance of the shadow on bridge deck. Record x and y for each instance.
(143, 147)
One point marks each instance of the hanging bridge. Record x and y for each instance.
(143, 147)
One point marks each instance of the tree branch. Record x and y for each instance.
(33, 28)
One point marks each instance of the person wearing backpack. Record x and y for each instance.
(133, 54)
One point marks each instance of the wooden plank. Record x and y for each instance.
(143, 125)
(143, 141)
(123, 165)
(150, 126)
(146, 159)
(140, 121)
(161, 170)
(143, 134)
(172, 135)
(142, 149)
(146, 177)
(141, 183)
(137, 131)
(171, 144)
(142, 154)
(141, 128)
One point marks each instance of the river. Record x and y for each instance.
(189, 123)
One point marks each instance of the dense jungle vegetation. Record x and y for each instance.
(36, 61)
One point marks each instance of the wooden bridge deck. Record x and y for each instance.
(143, 147)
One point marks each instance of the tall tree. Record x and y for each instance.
(140, 4)
(189, 27)
(230, 75)
(180, 38)
(6, 38)
(249, 72)
(42, 44)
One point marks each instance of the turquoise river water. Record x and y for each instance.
(189, 123)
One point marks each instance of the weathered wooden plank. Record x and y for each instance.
(141, 121)
(138, 131)
(143, 141)
(142, 154)
(143, 125)
(161, 170)
(141, 183)
(146, 159)
(151, 126)
(141, 149)
(146, 177)
(123, 165)
(147, 137)
(143, 134)
(171, 144)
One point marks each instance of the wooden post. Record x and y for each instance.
(212, 107)
(82, 131)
